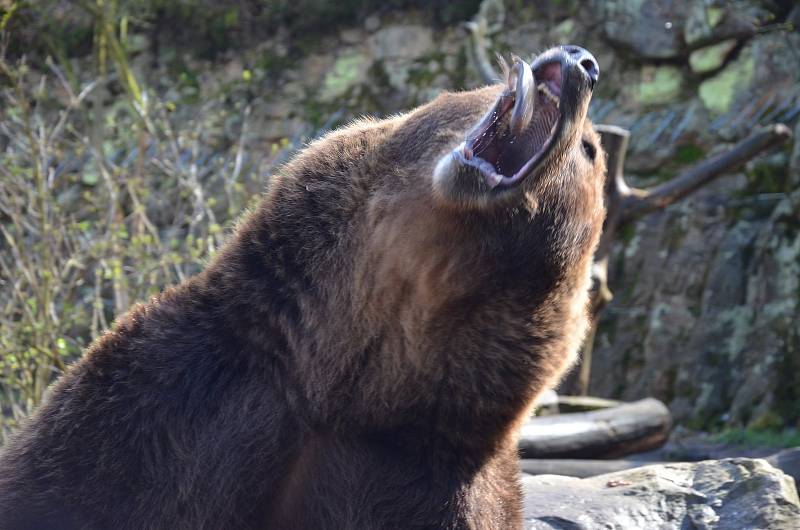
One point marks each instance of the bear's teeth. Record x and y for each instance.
(524, 101)
(547, 92)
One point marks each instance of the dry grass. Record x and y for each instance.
(104, 200)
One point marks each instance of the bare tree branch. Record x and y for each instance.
(615, 143)
(478, 53)
(478, 30)
(640, 202)
(625, 204)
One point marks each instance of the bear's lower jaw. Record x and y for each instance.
(528, 122)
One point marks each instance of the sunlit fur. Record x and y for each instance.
(357, 356)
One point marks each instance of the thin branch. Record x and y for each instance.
(478, 30)
(641, 202)
(615, 144)
(478, 54)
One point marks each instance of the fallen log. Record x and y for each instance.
(585, 403)
(605, 433)
(578, 468)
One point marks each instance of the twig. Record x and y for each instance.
(478, 54)
(478, 30)
(639, 202)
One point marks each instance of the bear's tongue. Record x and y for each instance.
(522, 122)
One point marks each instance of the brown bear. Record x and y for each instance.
(362, 351)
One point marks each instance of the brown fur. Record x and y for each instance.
(357, 356)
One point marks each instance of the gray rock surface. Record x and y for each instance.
(732, 494)
(707, 292)
(650, 28)
(707, 298)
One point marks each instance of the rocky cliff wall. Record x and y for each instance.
(707, 292)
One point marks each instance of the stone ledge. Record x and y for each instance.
(730, 494)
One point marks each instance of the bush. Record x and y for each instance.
(103, 201)
(204, 27)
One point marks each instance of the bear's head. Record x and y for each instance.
(455, 239)
(504, 181)
(534, 137)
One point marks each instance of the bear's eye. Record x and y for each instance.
(589, 149)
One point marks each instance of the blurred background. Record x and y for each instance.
(133, 132)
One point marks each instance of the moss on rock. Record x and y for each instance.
(659, 84)
(718, 93)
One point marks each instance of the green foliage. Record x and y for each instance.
(203, 27)
(40, 27)
(688, 154)
(103, 201)
(768, 175)
(752, 437)
(685, 155)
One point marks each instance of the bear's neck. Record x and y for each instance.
(487, 353)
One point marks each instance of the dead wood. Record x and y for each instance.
(605, 433)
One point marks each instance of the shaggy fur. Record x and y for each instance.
(359, 355)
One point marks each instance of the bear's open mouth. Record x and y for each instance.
(536, 118)
(522, 126)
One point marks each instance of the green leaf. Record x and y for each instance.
(8, 14)
(89, 177)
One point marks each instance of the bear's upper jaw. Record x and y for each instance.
(513, 137)
(526, 123)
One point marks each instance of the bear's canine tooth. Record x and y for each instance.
(524, 100)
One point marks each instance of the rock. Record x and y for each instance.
(405, 42)
(565, 30)
(651, 29)
(315, 68)
(528, 37)
(706, 292)
(718, 92)
(794, 161)
(788, 461)
(372, 23)
(659, 84)
(727, 494)
(349, 70)
(710, 22)
(770, 374)
(711, 57)
(701, 22)
(397, 49)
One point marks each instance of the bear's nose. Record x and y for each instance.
(586, 60)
